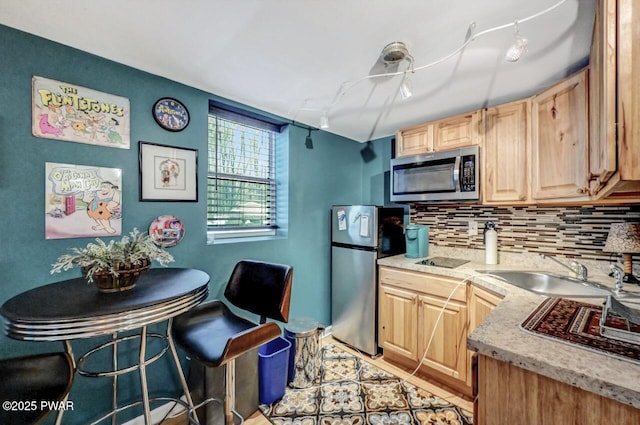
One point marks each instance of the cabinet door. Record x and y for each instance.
(559, 141)
(456, 132)
(442, 329)
(505, 153)
(481, 304)
(415, 140)
(398, 319)
(629, 92)
(602, 96)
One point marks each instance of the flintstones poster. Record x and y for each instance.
(63, 111)
(82, 201)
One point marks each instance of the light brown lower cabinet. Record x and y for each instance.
(481, 303)
(412, 307)
(510, 395)
(398, 331)
(442, 337)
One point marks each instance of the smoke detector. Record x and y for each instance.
(394, 52)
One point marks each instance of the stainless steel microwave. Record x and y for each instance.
(445, 176)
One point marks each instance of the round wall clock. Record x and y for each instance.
(171, 114)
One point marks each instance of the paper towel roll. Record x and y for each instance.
(491, 247)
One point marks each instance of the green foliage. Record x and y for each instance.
(133, 249)
(241, 188)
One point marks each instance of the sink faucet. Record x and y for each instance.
(577, 268)
(618, 275)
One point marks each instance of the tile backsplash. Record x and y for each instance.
(577, 232)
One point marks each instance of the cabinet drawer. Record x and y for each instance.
(431, 284)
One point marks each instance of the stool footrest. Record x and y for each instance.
(210, 400)
(183, 403)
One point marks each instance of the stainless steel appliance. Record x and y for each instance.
(445, 176)
(446, 262)
(360, 234)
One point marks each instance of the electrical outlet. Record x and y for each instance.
(473, 228)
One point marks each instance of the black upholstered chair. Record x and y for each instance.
(216, 336)
(32, 379)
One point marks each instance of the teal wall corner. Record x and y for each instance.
(330, 173)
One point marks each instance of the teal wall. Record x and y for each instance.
(375, 176)
(331, 173)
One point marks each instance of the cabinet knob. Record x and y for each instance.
(582, 190)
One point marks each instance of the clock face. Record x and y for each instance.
(171, 114)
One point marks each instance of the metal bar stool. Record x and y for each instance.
(216, 336)
(33, 386)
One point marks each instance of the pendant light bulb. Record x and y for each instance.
(405, 88)
(518, 48)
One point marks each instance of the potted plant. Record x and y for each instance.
(117, 265)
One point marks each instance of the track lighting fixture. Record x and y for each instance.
(518, 48)
(395, 52)
(324, 121)
(308, 142)
(405, 88)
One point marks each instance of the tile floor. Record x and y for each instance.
(259, 419)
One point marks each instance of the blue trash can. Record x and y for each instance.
(273, 363)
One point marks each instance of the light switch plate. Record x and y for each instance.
(473, 228)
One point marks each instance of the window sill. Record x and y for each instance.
(216, 238)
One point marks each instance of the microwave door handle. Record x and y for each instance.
(456, 174)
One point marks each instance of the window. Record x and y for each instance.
(244, 184)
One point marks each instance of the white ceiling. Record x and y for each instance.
(291, 57)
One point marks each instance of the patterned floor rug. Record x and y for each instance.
(351, 391)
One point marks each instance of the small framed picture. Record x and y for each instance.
(168, 173)
(171, 114)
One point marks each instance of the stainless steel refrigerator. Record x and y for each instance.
(360, 234)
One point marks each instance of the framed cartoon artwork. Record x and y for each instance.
(168, 173)
(82, 201)
(171, 114)
(65, 111)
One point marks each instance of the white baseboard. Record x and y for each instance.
(326, 331)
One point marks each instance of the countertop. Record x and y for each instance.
(500, 336)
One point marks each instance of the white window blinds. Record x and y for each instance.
(241, 183)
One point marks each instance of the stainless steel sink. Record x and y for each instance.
(550, 284)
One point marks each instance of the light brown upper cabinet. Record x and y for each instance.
(559, 149)
(449, 133)
(414, 140)
(505, 153)
(614, 100)
(602, 96)
(456, 132)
